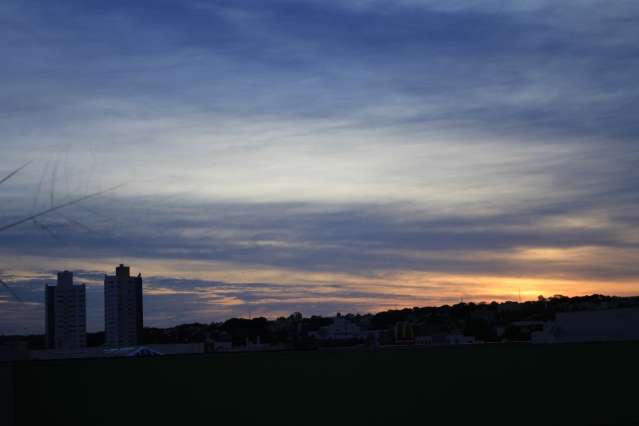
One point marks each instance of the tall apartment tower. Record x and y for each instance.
(123, 315)
(65, 321)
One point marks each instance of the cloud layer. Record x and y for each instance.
(466, 147)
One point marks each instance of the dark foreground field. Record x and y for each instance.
(580, 384)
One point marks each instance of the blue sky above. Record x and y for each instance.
(452, 148)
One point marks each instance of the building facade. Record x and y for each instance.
(65, 314)
(341, 329)
(601, 325)
(123, 313)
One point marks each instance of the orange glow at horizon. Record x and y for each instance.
(398, 289)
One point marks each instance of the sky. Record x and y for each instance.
(318, 156)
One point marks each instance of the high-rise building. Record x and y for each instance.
(123, 315)
(65, 314)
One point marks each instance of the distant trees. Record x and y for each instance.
(387, 319)
(241, 329)
(315, 322)
(515, 321)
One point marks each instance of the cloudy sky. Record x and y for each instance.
(319, 155)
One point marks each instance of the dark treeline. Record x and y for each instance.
(488, 322)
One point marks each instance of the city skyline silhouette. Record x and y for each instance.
(319, 212)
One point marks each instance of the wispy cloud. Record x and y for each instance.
(358, 138)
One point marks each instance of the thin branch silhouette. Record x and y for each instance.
(54, 176)
(46, 229)
(38, 190)
(10, 290)
(75, 222)
(10, 175)
(58, 207)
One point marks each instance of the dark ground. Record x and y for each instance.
(580, 384)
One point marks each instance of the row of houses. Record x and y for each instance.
(597, 325)
(343, 329)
